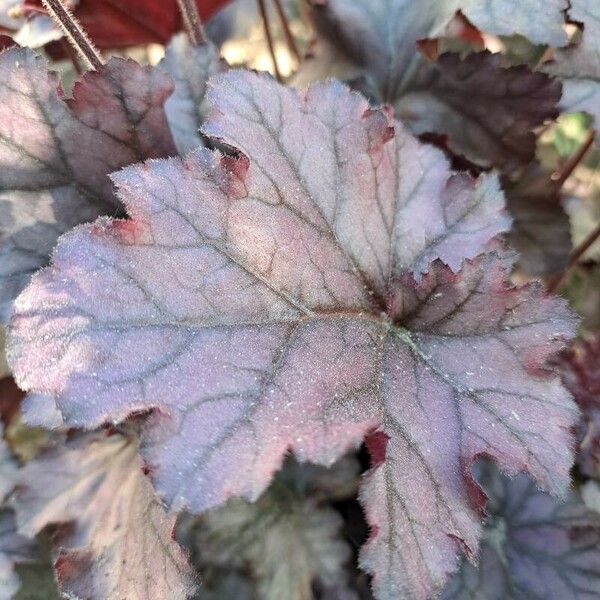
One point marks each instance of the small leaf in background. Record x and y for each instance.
(38, 410)
(21, 439)
(580, 371)
(190, 67)
(540, 233)
(26, 440)
(486, 111)
(578, 66)
(37, 574)
(33, 31)
(534, 547)
(4, 370)
(295, 297)
(14, 549)
(8, 468)
(119, 543)
(582, 288)
(56, 154)
(286, 539)
(383, 36)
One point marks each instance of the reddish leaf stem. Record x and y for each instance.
(562, 174)
(74, 32)
(576, 254)
(73, 56)
(289, 36)
(192, 21)
(271, 44)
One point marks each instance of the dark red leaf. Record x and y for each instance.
(122, 23)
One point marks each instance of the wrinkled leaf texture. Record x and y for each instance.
(534, 547)
(541, 232)
(333, 279)
(56, 154)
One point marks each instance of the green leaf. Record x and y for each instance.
(288, 540)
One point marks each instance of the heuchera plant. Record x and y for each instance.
(219, 290)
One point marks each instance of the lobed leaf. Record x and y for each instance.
(239, 548)
(486, 111)
(283, 522)
(383, 35)
(296, 298)
(534, 547)
(120, 544)
(55, 154)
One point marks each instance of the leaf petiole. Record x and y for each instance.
(192, 21)
(267, 27)
(74, 32)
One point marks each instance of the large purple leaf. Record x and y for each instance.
(296, 297)
(120, 544)
(56, 154)
(534, 548)
(486, 112)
